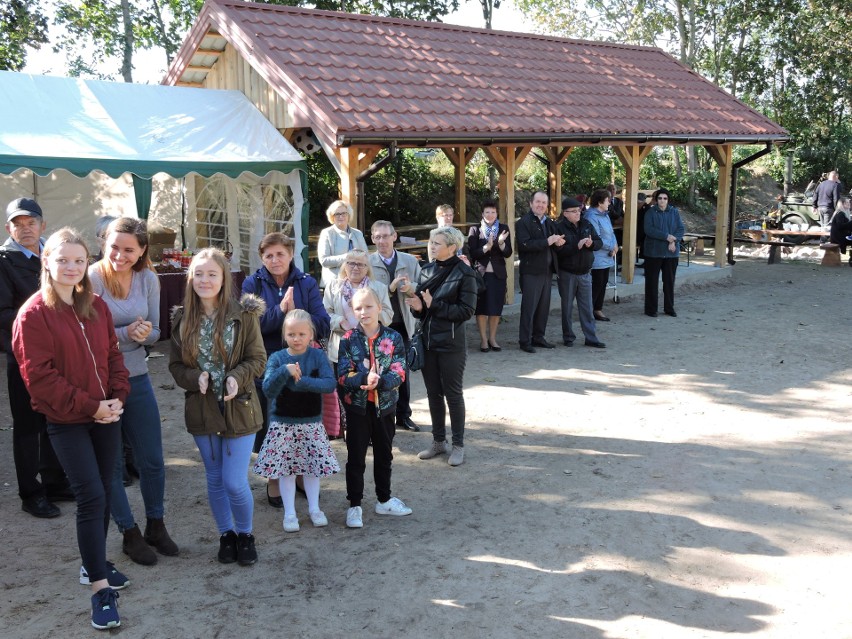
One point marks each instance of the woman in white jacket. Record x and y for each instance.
(336, 240)
(355, 273)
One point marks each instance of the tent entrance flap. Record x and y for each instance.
(142, 191)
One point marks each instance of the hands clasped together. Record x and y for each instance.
(231, 386)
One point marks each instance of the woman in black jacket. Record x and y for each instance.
(489, 245)
(575, 259)
(445, 300)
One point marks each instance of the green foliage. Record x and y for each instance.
(22, 26)
(790, 59)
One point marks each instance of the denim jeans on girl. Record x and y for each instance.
(226, 461)
(142, 426)
(87, 454)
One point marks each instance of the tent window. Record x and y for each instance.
(236, 214)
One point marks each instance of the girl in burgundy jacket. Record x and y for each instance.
(64, 341)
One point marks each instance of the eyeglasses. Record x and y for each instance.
(381, 237)
(340, 214)
(356, 265)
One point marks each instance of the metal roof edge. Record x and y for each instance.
(417, 139)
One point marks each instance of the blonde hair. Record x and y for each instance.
(452, 236)
(332, 209)
(343, 273)
(131, 226)
(295, 316)
(193, 311)
(361, 292)
(82, 295)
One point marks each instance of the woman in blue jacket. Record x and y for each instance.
(598, 215)
(663, 234)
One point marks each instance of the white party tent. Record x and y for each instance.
(206, 161)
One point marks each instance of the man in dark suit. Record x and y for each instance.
(20, 269)
(536, 234)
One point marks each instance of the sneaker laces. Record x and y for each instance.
(107, 598)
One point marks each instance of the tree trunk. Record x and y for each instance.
(127, 50)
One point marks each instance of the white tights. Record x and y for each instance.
(288, 493)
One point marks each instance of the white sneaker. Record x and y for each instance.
(353, 517)
(291, 523)
(318, 519)
(392, 506)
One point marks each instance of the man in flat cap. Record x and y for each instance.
(20, 269)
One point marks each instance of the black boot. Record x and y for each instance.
(134, 546)
(157, 536)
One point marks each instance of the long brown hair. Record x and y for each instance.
(82, 295)
(138, 229)
(193, 311)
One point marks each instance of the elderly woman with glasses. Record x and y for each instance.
(355, 273)
(336, 240)
(663, 234)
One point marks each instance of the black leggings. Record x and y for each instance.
(360, 431)
(88, 453)
(443, 375)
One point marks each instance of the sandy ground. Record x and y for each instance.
(692, 480)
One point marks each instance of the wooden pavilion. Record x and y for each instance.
(365, 83)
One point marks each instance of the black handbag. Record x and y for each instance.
(415, 356)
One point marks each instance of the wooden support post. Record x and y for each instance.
(460, 158)
(555, 157)
(506, 160)
(631, 157)
(353, 160)
(723, 154)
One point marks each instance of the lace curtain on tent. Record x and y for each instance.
(235, 214)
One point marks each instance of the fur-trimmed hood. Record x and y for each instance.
(248, 303)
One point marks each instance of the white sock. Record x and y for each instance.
(312, 487)
(288, 494)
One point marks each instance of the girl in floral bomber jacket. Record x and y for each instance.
(371, 367)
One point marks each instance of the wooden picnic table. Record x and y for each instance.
(777, 238)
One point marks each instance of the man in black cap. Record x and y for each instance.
(20, 269)
(574, 261)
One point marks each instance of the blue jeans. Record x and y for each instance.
(226, 461)
(87, 454)
(141, 425)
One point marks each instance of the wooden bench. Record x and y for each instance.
(774, 245)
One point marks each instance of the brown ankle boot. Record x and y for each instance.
(136, 548)
(157, 536)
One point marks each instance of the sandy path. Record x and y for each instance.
(692, 480)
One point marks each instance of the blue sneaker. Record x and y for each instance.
(105, 609)
(115, 579)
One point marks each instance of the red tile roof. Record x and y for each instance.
(367, 78)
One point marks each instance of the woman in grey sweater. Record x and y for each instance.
(126, 282)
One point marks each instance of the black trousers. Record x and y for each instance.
(535, 307)
(653, 267)
(443, 375)
(31, 447)
(403, 405)
(600, 278)
(360, 430)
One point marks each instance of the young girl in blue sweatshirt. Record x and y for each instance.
(296, 378)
